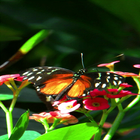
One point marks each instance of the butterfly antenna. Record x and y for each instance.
(82, 61)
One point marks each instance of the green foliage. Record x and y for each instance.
(82, 131)
(31, 135)
(20, 126)
(5, 97)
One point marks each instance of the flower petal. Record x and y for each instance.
(68, 106)
(96, 103)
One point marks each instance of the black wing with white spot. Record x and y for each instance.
(39, 75)
(101, 80)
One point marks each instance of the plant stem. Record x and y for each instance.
(103, 119)
(9, 117)
(56, 122)
(14, 100)
(132, 103)
(45, 124)
(3, 107)
(9, 123)
(115, 125)
(16, 93)
(89, 117)
(116, 122)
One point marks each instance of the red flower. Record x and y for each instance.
(115, 93)
(97, 92)
(96, 103)
(68, 106)
(125, 85)
(5, 78)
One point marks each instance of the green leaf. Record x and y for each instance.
(5, 93)
(34, 40)
(28, 135)
(4, 137)
(20, 126)
(5, 97)
(82, 131)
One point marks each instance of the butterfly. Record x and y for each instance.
(58, 82)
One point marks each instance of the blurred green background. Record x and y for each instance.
(101, 29)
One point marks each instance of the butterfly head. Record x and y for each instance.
(82, 71)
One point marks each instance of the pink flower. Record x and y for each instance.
(65, 118)
(136, 66)
(126, 74)
(5, 78)
(108, 65)
(55, 103)
(96, 103)
(68, 106)
(38, 117)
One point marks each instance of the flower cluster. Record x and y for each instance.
(52, 116)
(6, 78)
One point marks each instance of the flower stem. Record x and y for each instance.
(103, 119)
(9, 118)
(56, 121)
(16, 93)
(89, 117)
(137, 99)
(14, 100)
(9, 122)
(45, 124)
(132, 103)
(3, 107)
(115, 125)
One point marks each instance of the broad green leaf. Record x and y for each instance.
(20, 126)
(83, 131)
(28, 135)
(5, 97)
(4, 137)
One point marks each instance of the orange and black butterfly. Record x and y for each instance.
(58, 82)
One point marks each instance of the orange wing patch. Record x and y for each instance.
(57, 84)
(78, 88)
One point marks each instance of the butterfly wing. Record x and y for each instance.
(49, 80)
(101, 80)
(80, 86)
(94, 80)
(39, 75)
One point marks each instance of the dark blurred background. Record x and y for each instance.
(101, 29)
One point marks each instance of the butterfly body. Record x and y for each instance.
(56, 81)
